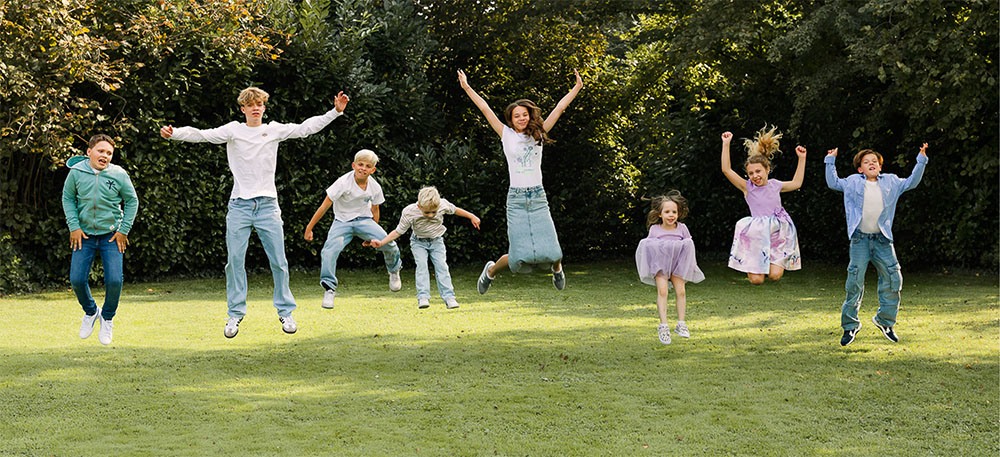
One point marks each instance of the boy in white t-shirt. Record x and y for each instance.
(426, 217)
(355, 198)
(252, 151)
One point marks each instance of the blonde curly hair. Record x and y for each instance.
(762, 147)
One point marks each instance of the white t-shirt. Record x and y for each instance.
(524, 158)
(253, 151)
(872, 208)
(351, 201)
(424, 227)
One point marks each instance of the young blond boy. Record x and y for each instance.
(426, 218)
(355, 198)
(252, 150)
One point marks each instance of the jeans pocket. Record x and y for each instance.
(895, 278)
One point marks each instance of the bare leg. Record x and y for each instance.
(498, 266)
(755, 279)
(776, 272)
(557, 266)
(662, 290)
(681, 296)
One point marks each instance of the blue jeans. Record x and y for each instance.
(340, 235)
(433, 247)
(877, 249)
(263, 214)
(79, 273)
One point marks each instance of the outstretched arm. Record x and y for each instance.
(491, 117)
(217, 135)
(727, 168)
(550, 121)
(379, 243)
(316, 123)
(469, 216)
(918, 170)
(327, 203)
(800, 172)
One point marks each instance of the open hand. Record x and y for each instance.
(167, 131)
(462, 80)
(121, 239)
(76, 238)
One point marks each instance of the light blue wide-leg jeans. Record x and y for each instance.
(340, 235)
(423, 248)
(263, 214)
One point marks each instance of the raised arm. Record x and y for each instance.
(316, 123)
(327, 203)
(550, 121)
(491, 117)
(832, 180)
(727, 168)
(469, 216)
(918, 170)
(800, 172)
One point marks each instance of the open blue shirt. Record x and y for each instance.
(853, 187)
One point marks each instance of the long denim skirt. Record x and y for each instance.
(530, 230)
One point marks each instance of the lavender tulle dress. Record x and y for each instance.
(668, 251)
(767, 236)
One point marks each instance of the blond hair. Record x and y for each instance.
(252, 95)
(366, 155)
(428, 198)
(762, 148)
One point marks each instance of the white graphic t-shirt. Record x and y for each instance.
(524, 158)
(350, 201)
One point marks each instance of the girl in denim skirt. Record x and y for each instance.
(530, 230)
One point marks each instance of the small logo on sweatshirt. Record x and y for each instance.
(111, 185)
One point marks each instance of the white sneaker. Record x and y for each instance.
(451, 303)
(104, 333)
(288, 324)
(328, 297)
(394, 282)
(423, 303)
(87, 326)
(682, 330)
(232, 327)
(664, 331)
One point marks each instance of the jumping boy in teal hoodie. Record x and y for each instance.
(92, 200)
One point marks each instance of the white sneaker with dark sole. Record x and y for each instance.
(232, 327)
(423, 303)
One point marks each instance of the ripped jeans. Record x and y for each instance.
(877, 249)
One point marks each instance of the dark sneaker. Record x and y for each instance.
(484, 278)
(887, 331)
(559, 279)
(849, 335)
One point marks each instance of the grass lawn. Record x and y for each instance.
(523, 370)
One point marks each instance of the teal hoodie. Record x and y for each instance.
(92, 200)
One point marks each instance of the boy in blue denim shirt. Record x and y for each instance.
(870, 204)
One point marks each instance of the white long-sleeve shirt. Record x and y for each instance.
(253, 151)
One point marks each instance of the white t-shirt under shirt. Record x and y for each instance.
(253, 151)
(350, 201)
(872, 208)
(524, 158)
(424, 227)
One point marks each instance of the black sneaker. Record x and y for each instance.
(887, 331)
(848, 337)
(484, 278)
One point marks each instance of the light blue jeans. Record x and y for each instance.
(433, 248)
(79, 274)
(340, 235)
(263, 214)
(877, 249)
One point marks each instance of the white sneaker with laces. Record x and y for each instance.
(104, 333)
(87, 326)
(288, 324)
(328, 297)
(394, 282)
(664, 331)
(232, 327)
(423, 303)
(451, 303)
(682, 330)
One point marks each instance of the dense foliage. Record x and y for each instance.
(662, 81)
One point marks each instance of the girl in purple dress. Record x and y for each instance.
(765, 243)
(666, 257)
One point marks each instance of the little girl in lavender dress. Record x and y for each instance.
(765, 243)
(666, 257)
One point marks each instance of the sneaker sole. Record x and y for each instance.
(428, 305)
